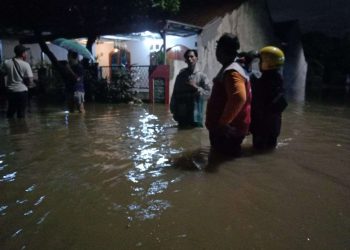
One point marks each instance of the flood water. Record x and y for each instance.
(123, 177)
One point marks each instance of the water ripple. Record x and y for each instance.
(42, 219)
(157, 187)
(21, 201)
(15, 234)
(31, 188)
(135, 176)
(28, 213)
(9, 177)
(2, 209)
(40, 200)
(154, 208)
(2, 167)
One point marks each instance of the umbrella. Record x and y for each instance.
(73, 46)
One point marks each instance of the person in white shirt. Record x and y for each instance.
(19, 77)
(191, 90)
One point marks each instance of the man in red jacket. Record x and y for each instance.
(228, 108)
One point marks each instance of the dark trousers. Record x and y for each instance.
(262, 142)
(17, 103)
(265, 131)
(228, 145)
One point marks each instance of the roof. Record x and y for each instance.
(181, 29)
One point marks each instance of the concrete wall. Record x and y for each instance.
(250, 22)
(253, 26)
(295, 68)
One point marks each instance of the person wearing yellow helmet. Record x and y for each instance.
(268, 101)
(271, 58)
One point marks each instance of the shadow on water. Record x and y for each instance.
(202, 159)
(208, 160)
(18, 126)
(328, 96)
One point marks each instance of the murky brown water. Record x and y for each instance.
(121, 177)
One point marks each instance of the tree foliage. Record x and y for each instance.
(170, 5)
(66, 18)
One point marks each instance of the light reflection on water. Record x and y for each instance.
(149, 157)
(117, 176)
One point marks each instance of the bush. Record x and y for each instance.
(50, 86)
(118, 90)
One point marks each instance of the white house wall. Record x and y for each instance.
(102, 52)
(139, 52)
(252, 24)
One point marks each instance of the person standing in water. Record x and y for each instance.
(19, 77)
(191, 89)
(228, 109)
(268, 99)
(75, 86)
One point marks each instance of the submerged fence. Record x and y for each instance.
(49, 83)
(139, 75)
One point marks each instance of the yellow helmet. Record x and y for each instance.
(271, 58)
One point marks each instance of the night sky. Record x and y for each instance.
(328, 16)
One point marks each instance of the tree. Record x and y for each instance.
(72, 19)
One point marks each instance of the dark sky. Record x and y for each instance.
(329, 16)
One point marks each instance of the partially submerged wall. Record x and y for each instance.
(252, 24)
(295, 69)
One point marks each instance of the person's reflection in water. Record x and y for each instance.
(215, 159)
(18, 126)
(202, 159)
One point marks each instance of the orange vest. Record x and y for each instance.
(239, 113)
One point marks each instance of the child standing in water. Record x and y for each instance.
(268, 101)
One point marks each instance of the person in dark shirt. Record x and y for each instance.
(268, 101)
(75, 87)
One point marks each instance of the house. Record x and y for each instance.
(250, 20)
